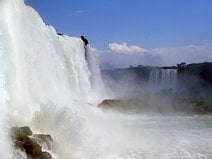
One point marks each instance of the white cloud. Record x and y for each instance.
(124, 48)
(122, 55)
(188, 53)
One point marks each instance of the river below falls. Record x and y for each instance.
(152, 137)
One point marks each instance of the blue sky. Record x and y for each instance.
(149, 24)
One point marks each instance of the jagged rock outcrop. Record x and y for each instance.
(163, 102)
(23, 139)
(122, 105)
(84, 40)
(44, 140)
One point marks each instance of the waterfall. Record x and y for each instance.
(162, 79)
(154, 78)
(36, 63)
(44, 77)
(96, 79)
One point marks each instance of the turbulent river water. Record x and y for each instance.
(153, 137)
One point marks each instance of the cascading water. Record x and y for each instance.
(39, 69)
(154, 77)
(46, 83)
(163, 79)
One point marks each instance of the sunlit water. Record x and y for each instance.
(154, 137)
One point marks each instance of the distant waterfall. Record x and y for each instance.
(162, 79)
(154, 78)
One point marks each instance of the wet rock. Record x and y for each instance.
(107, 103)
(200, 105)
(201, 109)
(45, 140)
(84, 40)
(60, 34)
(32, 148)
(26, 130)
(22, 139)
(45, 155)
(122, 105)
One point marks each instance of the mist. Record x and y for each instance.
(159, 90)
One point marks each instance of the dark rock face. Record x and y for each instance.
(21, 137)
(45, 140)
(60, 34)
(201, 106)
(26, 130)
(122, 105)
(197, 78)
(84, 40)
